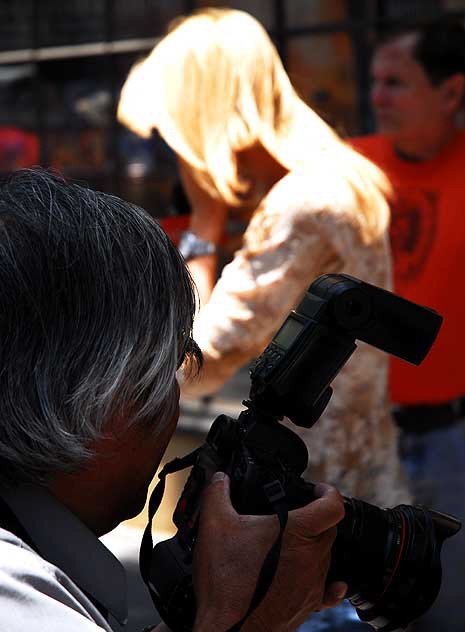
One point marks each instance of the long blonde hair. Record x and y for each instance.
(215, 85)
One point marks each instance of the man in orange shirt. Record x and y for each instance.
(417, 93)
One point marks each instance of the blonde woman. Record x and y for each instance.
(216, 91)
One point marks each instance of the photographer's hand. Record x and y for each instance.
(230, 550)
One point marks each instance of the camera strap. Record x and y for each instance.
(177, 464)
(277, 498)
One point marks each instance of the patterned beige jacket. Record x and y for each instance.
(304, 228)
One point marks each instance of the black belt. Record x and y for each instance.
(427, 417)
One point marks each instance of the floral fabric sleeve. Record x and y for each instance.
(283, 252)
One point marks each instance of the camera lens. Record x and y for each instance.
(390, 559)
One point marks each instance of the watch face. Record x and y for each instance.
(191, 246)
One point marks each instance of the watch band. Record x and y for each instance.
(192, 246)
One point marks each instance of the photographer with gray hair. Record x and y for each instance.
(96, 310)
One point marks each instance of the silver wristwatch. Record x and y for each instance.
(192, 246)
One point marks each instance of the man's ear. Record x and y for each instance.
(453, 89)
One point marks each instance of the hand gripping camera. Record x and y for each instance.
(390, 558)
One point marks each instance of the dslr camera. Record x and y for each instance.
(390, 558)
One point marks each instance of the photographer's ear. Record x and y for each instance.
(452, 90)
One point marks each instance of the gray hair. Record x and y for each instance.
(96, 312)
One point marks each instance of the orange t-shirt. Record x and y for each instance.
(428, 246)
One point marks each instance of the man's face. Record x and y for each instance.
(113, 485)
(406, 104)
(139, 460)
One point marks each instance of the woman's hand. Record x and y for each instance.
(207, 221)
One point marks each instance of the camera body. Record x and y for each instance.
(389, 558)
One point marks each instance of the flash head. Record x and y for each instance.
(378, 317)
(292, 376)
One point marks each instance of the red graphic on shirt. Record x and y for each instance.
(413, 229)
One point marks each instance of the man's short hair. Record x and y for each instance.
(96, 311)
(440, 47)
